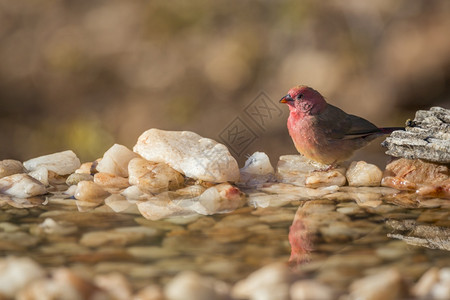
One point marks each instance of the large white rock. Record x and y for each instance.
(115, 160)
(62, 163)
(21, 186)
(189, 153)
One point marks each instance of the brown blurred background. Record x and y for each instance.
(82, 75)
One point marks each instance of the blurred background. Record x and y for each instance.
(83, 75)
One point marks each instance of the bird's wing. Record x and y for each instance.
(339, 125)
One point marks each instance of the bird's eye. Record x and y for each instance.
(299, 96)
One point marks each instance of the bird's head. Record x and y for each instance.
(305, 100)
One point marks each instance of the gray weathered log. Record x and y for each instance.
(426, 137)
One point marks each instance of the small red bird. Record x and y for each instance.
(324, 133)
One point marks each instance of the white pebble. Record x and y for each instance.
(62, 163)
(16, 273)
(21, 186)
(363, 174)
(115, 160)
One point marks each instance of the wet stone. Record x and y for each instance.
(21, 186)
(62, 163)
(115, 160)
(189, 153)
(10, 167)
(75, 178)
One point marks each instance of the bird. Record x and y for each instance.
(323, 132)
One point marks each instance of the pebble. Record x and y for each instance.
(257, 170)
(119, 203)
(153, 177)
(86, 168)
(115, 160)
(189, 153)
(74, 178)
(62, 163)
(16, 273)
(50, 226)
(422, 289)
(41, 174)
(311, 290)
(298, 170)
(108, 180)
(219, 198)
(271, 282)
(134, 193)
(189, 285)
(90, 192)
(110, 238)
(115, 285)
(151, 292)
(386, 285)
(10, 167)
(363, 174)
(152, 252)
(21, 186)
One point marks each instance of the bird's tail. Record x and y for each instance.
(389, 130)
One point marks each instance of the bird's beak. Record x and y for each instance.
(286, 99)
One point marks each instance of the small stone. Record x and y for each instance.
(110, 238)
(189, 153)
(62, 163)
(270, 200)
(153, 177)
(385, 285)
(86, 168)
(21, 186)
(41, 174)
(115, 160)
(191, 286)
(134, 193)
(423, 287)
(162, 206)
(108, 180)
(441, 290)
(220, 198)
(298, 170)
(89, 191)
(151, 292)
(16, 273)
(50, 226)
(115, 284)
(271, 281)
(152, 252)
(257, 170)
(363, 174)
(119, 203)
(10, 167)
(75, 178)
(311, 289)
